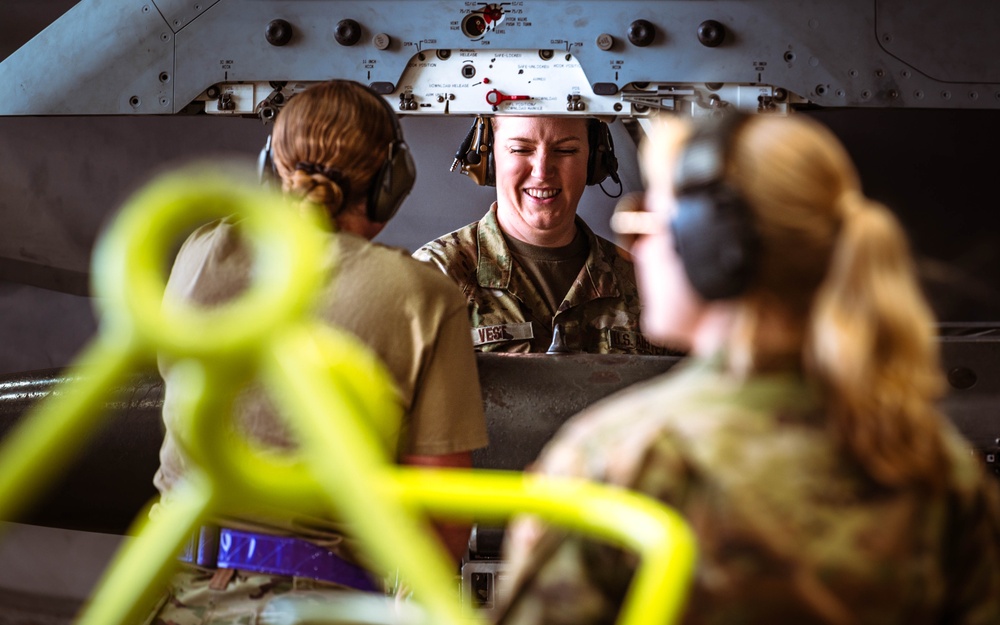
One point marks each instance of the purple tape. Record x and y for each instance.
(288, 555)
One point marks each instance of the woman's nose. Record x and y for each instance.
(541, 164)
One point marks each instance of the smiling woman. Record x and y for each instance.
(536, 277)
(541, 172)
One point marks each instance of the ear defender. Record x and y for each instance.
(475, 153)
(602, 162)
(389, 186)
(394, 180)
(713, 228)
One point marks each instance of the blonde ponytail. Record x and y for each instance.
(836, 276)
(870, 344)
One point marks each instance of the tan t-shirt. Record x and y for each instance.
(552, 270)
(409, 314)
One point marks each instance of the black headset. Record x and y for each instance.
(713, 228)
(391, 183)
(476, 153)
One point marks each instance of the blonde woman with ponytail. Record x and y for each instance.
(802, 439)
(337, 149)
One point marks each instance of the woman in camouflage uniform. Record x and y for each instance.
(535, 276)
(801, 440)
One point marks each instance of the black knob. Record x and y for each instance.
(711, 33)
(641, 33)
(962, 378)
(278, 32)
(348, 32)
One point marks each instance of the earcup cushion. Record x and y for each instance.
(716, 241)
(392, 183)
(601, 161)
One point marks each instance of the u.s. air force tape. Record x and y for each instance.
(484, 335)
(631, 341)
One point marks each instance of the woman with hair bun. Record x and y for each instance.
(802, 439)
(337, 148)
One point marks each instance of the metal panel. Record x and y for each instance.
(952, 42)
(101, 57)
(179, 13)
(825, 53)
(528, 397)
(850, 53)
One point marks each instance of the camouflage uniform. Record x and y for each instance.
(789, 529)
(599, 314)
(191, 599)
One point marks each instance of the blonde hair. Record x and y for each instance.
(328, 143)
(839, 267)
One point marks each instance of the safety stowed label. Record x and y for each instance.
(504, 332)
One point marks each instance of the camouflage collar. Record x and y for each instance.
(493, 271)
(495, 259)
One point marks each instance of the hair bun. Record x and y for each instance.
(323, 186)
(331, 173)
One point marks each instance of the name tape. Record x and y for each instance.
(485, 335)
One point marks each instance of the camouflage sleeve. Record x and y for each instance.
(972, 563)
(558, 578)
(570, 581)
(432, 253)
